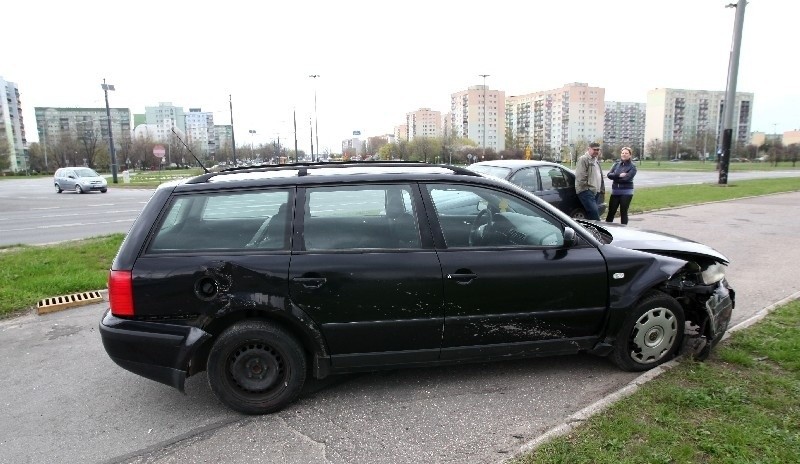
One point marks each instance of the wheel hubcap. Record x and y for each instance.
(256, 367)
(654, 334)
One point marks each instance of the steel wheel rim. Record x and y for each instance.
(257, 369)
(653, 335)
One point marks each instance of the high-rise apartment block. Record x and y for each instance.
(551, 121)
(479, 114)
(196, 127)
(684, 116)
(12, 127)
(624, 126)
(424, 123)
(53, 124)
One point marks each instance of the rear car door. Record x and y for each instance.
(367, 273)
(513, 285)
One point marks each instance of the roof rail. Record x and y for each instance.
(303, 168)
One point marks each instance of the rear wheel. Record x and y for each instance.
(58, 188)
(78, 189)
(651, 335)
(256, 367)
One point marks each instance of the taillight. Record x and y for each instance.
(120, 293)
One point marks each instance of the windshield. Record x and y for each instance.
(494, 171)
(86, 172)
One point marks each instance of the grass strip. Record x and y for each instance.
(31, 273)
(741, 405)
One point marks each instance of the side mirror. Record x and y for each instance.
(569, 236)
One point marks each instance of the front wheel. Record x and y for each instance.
(78, 189)
(651, 335)
(256, 367)
(578, 213)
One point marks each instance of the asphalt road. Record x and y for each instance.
(63, 400)
(32, 213)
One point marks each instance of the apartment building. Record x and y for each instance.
(54, 124)
(552, 122)
(423, 122)
(624, 126)
(12, 127)
(479, 114)
(401, 132)
(199, 127)
(686, 116)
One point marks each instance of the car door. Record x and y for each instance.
(508, 289)
(69, 179)
(368, 274)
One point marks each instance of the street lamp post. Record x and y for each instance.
(233, 133)
(730, 93)
(106, 88)
(484, 76)
(316, 121)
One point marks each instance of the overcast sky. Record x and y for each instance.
(379, 60)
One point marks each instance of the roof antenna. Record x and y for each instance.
(190, 151)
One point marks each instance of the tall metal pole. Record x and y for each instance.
(294, 117)
(233, 134)
(730, 95)
(311, 135)
(316, 120)
(484, 76)
(106, 88)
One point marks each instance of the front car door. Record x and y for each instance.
(511, 286)
(363, 269)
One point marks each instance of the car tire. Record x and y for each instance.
(58, 188)
(256, 367)
(578, 213)
(78, 189)
(103, 190)
(651, 335)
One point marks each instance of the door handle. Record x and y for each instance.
(310, 282)
(462, 279)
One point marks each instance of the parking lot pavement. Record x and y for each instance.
(63, 397)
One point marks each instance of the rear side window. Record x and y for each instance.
(553, 178)
(527, 179)
(360, 217)
(224, 221)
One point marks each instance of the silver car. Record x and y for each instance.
(81, 180)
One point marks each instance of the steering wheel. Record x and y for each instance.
(476, 234)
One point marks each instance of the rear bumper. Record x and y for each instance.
(154, 350)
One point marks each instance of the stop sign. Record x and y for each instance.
(159, 151)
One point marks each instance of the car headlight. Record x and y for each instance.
(713, 273)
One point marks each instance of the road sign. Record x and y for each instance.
(356, 132)
(159, 151)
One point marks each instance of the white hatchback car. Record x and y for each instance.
(81, 180)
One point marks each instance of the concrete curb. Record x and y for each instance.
(577, 419)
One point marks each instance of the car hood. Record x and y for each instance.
(659, 242)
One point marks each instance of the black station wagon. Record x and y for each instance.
(265, 275)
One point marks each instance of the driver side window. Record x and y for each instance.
(473, 216)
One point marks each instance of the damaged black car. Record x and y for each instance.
(263, 276)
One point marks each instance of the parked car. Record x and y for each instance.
(551, 182)
(263, 276)
(79, 179)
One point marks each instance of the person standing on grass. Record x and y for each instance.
(589, 181)
(622, 173)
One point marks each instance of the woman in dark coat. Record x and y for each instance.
(622, 173)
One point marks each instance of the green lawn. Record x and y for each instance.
(740, 406)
